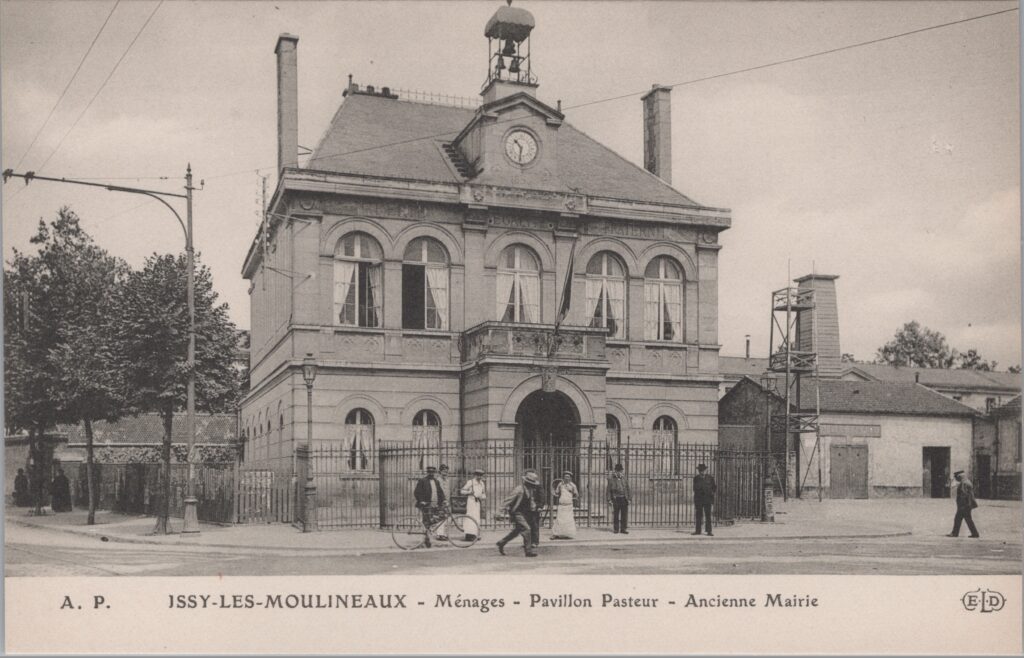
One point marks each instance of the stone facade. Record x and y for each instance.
(427, 284)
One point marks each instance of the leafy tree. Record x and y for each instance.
(914, 345)
(1014, 369)
(61, 365)
(152, 332)
(848, 358)
(971, 360)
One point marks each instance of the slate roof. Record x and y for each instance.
(739, 366)
(378, 136)
(148, 429)
(1011, 408)
(939, 377)
(901, 398)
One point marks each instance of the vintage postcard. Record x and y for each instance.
(511, 327)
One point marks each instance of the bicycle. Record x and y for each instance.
(410, 533)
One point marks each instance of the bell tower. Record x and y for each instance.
(508, 54)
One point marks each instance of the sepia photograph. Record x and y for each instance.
(666, 310)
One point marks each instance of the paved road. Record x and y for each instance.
(34, 552)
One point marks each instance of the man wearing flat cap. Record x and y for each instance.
(430, 498)
(965, 502)
(703, 496)
(520, 505)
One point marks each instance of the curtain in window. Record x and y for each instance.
(375, 277)
(615, 293)
(664, 444)
(595, 288)
(343, 274)
(359, 445)
(426, 441)
(529, 291)
(504, 290)
(671, 312)
(437, 291)
(651, 304)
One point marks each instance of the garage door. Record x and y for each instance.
(849, 472)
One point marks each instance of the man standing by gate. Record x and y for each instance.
(703, 496)
(618, 497)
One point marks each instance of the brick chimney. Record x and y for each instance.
(658, 132)
(826, 314)
(287, 101)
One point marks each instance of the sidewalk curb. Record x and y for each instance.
(374, 550)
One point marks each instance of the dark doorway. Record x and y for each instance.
(935, 472)
(548, 437)
(983, 475)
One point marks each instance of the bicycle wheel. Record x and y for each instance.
(409, 533)
(463, 531)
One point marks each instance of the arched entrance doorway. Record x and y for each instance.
(548, 436)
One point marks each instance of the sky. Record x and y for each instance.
(895, 165)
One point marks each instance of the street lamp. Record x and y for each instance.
(309, 369)
(769, 385)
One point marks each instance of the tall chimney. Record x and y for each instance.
(287, 101)
(748, 345)
(826, 314)
(658, 132)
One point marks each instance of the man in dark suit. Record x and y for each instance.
(965, 502)
(520, 505)
(429, 498)
(618, 498)
(703, 496)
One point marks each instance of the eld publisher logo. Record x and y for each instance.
(983, 600)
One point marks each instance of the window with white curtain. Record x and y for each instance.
(666, 443)
(425, 285)
(359, 439)
(358, 281)
(663, 300)
(426, 438)
(606, 293)
(613, 431)
(518, 285)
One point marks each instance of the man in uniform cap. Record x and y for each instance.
(520, 506)
(429, 498)
(703, 496)
(965, 502)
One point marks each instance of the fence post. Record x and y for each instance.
(307, 496)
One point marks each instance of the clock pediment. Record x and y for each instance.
(512, 141)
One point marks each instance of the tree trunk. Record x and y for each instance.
(90, 481)
(164, 513)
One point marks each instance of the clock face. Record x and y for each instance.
(520, 147)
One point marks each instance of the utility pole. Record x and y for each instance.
(191, 516)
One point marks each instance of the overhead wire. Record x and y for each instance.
(103, 85)
(67, 86)
(716, 76)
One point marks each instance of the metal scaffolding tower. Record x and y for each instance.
(787, 306)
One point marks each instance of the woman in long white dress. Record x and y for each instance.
(566, 494)
(475, 492)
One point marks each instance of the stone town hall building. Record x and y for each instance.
(421, 255)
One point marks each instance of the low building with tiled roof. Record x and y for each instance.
(877, 439)
(979, 389)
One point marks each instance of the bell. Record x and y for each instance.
(500, 66)
(510, 48)
(514, 66)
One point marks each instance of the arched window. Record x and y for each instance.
(666, 444)
(606, 293)
(663, 300)
(359, 439)
(425, 285)
(518, 285)
(426, 437)
(613, 432)
(358, 281)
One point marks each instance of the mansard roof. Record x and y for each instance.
(377, 136)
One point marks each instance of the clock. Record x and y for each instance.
(520, 147)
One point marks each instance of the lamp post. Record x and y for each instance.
(191, 524)
(768, 385)
(309, 369)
